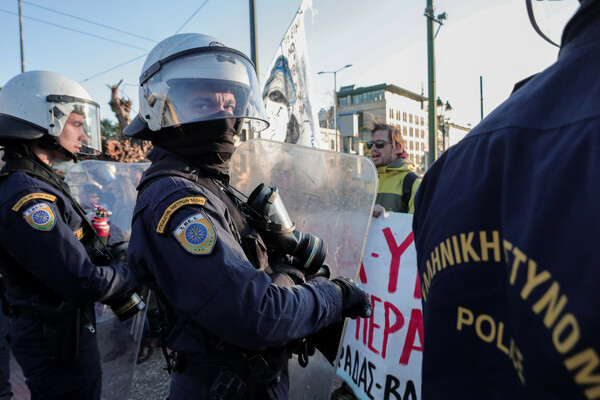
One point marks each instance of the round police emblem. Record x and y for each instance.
(40, 216)
(196, 234)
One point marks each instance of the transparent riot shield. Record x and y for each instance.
(111, 185)
(327, 194)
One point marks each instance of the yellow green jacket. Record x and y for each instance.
(389, 194)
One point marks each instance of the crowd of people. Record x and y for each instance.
(504, 225)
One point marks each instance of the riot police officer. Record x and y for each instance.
(232, 325)
(50, 282)
(507, 251)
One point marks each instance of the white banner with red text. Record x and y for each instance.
(382, 355)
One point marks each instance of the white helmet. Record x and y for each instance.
(189, 78)
(38, 103)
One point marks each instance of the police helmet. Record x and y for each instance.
(189, 78)
(35, 104)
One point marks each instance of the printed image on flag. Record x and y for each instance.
(287, 90)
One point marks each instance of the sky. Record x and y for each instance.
(99, 43)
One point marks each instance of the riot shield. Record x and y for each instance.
(327, 194)
(111, 185)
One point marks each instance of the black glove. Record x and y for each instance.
(355, 302)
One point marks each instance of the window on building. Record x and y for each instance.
(410, 132)
(410, 118)
(404, 130)
(422, 121)
(404, 116)
(368, 97)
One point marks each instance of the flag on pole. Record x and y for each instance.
(287, 90)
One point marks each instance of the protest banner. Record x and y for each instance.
(287, 90)
(381, 356)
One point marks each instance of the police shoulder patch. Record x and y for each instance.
(32, 196)
(196, 234)
(185, 201)
(40, 216)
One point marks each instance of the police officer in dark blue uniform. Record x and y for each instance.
(233, 326)
(507, 227)
(50, 282)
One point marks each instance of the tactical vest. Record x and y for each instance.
(251, 242)
(19, 282)
(256, 369)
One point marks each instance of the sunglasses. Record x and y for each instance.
(378, 143)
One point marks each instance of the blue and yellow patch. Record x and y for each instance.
(196, 234)
(40, 216)
(184, 202)
(32, 196)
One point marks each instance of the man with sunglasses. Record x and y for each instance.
(397, 181)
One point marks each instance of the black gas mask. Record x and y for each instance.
(279, 232)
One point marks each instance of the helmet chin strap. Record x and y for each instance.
(49, 142)
(535, 25)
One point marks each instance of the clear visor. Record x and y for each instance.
(203, 87)
(77, 126)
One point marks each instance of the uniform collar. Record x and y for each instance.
(583, 28)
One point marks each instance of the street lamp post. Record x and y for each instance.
(433, 122)
(337, 148)
(444, 112)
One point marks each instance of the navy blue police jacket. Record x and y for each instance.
(40, 234)
(507, 232)
(182, 239)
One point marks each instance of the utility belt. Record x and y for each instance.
(61, 325)
(247, 378)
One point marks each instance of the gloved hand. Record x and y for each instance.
(355, 302)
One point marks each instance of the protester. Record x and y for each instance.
(233, 327)
(507, 229)
(397, 181)
(49, 280)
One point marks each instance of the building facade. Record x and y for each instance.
(389, 104)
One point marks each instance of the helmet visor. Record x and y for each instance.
(76, 122)
(205, 86)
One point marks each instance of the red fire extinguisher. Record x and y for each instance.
(100, 222)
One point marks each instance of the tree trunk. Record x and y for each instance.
(121, 107)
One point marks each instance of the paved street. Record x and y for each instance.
(150, 380)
